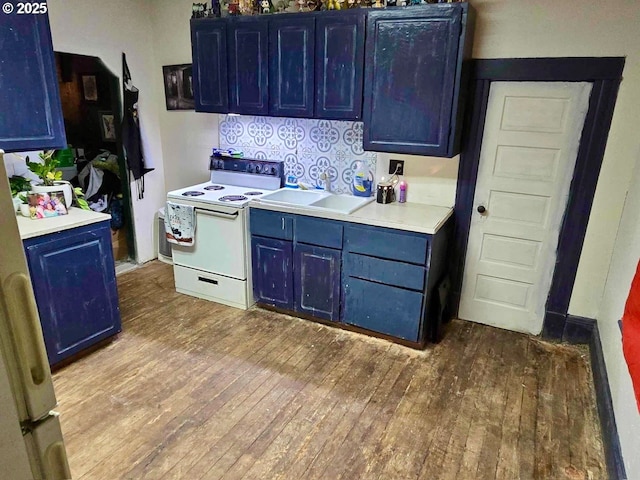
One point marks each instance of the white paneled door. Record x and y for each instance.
(529, 148)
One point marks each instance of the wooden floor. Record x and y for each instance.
(193, 389)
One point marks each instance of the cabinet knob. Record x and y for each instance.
(481, 209)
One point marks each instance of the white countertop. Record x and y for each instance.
(75, 218)
(413, 217)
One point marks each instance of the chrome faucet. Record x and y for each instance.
(326, 177)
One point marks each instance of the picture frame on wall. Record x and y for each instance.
(107, 126)
(89, 88)
(178, 86)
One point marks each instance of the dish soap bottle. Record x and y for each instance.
(362, 181)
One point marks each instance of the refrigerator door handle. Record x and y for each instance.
(29, 347)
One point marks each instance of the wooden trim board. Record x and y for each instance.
(604, 401)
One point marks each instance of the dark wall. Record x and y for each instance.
(82, 113)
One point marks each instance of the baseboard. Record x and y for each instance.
(578, 329)
(567, 328)
(610, 439)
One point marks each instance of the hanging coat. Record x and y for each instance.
(131, 140)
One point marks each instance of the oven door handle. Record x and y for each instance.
(230, 216)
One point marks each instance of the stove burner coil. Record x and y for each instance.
(192, 193)
(214, 187)
(248, 194)
(232, 198)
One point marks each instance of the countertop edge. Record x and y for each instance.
(76, 218)
(360, 216)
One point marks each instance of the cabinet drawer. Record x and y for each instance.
(316, 231)
(390, 272)
(408, 247)
(217, 288)
(383, 309)
(271, 224)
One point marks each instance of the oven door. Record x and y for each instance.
(220, 243)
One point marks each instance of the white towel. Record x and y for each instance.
(180, 224)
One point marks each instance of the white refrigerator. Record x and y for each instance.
(31, 443)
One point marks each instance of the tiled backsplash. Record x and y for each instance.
(308, 147)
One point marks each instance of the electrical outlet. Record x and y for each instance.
(399, 164)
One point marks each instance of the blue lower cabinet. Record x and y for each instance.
(317, 281)
(272, 268)
(382, 308)
(74, 282)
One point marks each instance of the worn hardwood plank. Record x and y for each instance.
(194, 389)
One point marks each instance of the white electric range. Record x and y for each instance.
(218, 266)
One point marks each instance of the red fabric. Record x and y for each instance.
(631, 333)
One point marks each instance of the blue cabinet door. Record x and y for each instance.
(339, 65)
(411, 75)
(74, 282)
(30, 110)
(317, 281)
(248, 65)
(209, 52)
(272, 268)
(291, 74)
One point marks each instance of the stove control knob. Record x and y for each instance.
(272, 171)
(250, 168)
(257, 168)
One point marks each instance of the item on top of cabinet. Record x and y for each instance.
(198, 10)
(362, 181)
(392, 3)
(402, 198)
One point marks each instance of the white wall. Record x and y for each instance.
(623, 265)
(187, 136)
(105, 29)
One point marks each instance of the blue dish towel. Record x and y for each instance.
(180, 224)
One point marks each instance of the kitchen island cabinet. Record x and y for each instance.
(73, 277)
(31, 117)
(377, 280)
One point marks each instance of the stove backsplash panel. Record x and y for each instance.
(308, 147)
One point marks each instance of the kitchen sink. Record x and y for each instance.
(342, 203)
(290, 196)
(316, 200)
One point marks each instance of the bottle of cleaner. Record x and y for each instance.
(362, 181)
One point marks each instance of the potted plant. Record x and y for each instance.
(52, 180)
(19, 187)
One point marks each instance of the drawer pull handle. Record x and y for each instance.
(282, 223)
(208, 280)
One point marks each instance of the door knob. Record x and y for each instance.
(481, 209)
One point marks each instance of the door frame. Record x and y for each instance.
(605, 75)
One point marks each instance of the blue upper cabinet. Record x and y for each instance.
(30, 110)
(248, 65)
(209, 50)
(413, 70)
(291, 72)
(339, 64)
